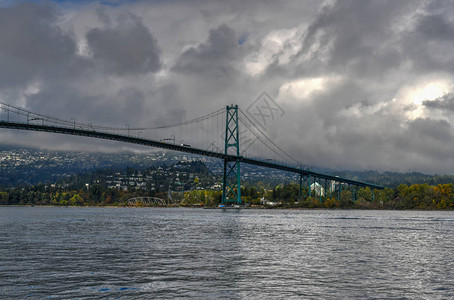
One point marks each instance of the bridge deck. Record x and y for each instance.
(180, 148)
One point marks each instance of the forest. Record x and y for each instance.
(192, 183)
(416, 196)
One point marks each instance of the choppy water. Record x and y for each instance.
(51, 252)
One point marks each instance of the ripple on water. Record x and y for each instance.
(190, 253)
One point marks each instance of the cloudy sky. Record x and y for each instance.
(363, 84)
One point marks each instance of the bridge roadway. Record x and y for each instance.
(180, 148)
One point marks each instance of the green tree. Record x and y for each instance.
(365, 193)
(346, 198)
(95, 192)
(76, 200)
(4, 197)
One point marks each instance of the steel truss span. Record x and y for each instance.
(181, 148)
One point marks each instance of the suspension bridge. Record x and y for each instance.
(218, 134)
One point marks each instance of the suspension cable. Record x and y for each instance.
(184, 123)
(258, 137)
(24, 112)
(35, 116)
(269, 140)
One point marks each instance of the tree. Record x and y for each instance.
(4, 197)
(331, 203)
(76, 200)
(95, 192)
(346, 198)
(311, 202)
(365, 193)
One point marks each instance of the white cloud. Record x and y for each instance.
(302, 89)
(413, 95)
(279, 46)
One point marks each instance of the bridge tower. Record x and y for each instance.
(231, 187)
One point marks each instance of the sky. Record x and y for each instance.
(359, 84)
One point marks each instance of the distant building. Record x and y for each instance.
(318, 189)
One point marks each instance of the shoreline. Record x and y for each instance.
(220, 208)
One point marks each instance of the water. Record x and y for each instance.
(121, 253)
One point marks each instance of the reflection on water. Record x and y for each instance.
(233, 254)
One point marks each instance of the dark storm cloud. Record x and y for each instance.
(66, 101)
(425, 128)
(171, 100)
(213, 57)
(354, 37)
(428, 45)
(445, 103)
(435, 27)
(128, 48)
(42, 69)
(428, 140)
(151, 63)
(32, 45)
(376, 48)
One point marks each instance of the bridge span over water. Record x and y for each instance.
(22, 119)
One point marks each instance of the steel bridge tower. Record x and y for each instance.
(231, 187)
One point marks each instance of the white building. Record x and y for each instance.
(318, 189)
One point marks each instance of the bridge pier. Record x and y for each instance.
(339, 191)
(354, 193)
(310, 187)
(300, 189)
